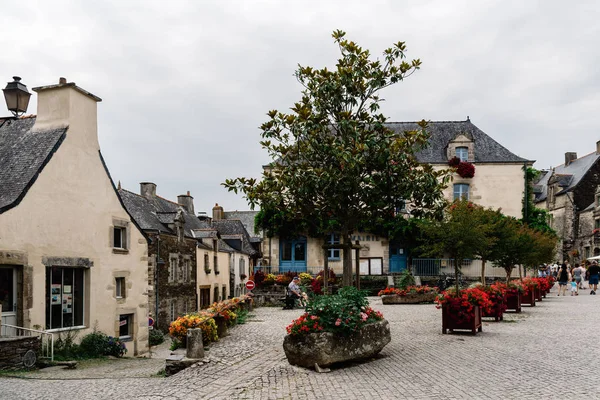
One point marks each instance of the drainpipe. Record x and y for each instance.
(156, 268)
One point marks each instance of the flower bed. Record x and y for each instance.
(410, 295)
(462, 311)
(336, 328)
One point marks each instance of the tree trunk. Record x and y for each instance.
(456, 269)
(508, 272)
(483, 271)
(520, 273)
(347, 262)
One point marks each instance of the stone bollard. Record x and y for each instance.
(249, 304)
(195, 347)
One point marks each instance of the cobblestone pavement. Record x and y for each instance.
(548, 351)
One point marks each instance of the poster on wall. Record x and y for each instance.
(55, 293)
(67, 303)
(67, 289)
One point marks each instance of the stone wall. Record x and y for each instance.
(12, 350)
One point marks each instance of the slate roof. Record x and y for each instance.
(157, 213)
(247, 219)
(486, 149)
(234, 229)
(205, 233)
(23, 155)
(569, 176)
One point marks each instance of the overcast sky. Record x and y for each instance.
(186, 84)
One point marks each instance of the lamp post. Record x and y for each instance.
(16, 96)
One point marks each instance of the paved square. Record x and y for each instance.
(548, 351)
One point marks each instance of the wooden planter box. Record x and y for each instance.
(528, 298)
(513, 302)
(538, 294)
(496, 313)
(449, 322)
(408, 299)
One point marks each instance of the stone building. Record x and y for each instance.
(569, 192)
(498, 182)
(172, 266)
(71, 256)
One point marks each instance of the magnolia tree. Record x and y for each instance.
(336, 166)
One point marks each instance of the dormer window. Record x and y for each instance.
(462, 153)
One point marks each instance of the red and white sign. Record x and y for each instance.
(250, 285)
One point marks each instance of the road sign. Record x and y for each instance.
(150, 321)
(250, 285)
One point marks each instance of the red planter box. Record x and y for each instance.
(528, 298)
(538, 294)
(496, 313)
(513, 302)
(449, 322)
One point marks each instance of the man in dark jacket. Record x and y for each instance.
(594, 271)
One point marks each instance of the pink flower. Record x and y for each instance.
(338, 322)
(364, 316)
(313, 317)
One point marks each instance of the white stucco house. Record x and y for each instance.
(71, 257)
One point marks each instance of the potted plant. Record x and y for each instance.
(513, 296)
(336, 328)
(528, 294)
(497, 295)
(463, 310)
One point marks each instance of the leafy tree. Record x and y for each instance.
(512, 245)
(460, 234)
(336, 165)
(491, 220)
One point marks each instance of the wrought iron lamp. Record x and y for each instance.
(16, 96)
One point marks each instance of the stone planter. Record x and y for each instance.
(528, 298)
(449, 322)
(328, 348)
(408, 299)
(513, 302)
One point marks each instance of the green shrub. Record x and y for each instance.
(156, 337)
(242, 315)
(65, 347)
(94, 345)
(175, 343)
(405, 280)
(115, 348)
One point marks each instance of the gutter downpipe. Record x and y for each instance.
(156, 268)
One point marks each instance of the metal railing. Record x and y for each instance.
(445, 266)
(47, 338)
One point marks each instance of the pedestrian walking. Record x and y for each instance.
(577, 274)
(594, 271)
(563, 278)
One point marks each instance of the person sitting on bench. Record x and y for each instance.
(294, 290)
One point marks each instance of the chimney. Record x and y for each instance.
(598, 147)
(148, 189)
(187, 202)
(217, 212)
(67, 105)
(570, 157)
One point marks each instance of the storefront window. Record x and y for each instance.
(64, 297)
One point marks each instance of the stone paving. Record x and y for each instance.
(548, 351)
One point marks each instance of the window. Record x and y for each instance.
(462, 153)
(216, 264)
(119, 237)
(120, 288)
(371, 266)
(461, 191)
(206, 263)
(598, 201)
(242, 266)
(224, 292)
(125, 326)
(186, 269)
(65, 297)
(586, 252)
(216, 294)
(173, 267)
(173, 310)
(334, 254)
(597, 224)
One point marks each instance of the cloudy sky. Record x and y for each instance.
(186, 84)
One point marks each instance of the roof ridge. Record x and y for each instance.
(415, 122)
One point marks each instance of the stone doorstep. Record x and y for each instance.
(177, 362)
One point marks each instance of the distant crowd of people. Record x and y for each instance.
(574, 276)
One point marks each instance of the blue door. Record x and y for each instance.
(397, 258)
(292, 255)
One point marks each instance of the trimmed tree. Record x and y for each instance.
(336, 166)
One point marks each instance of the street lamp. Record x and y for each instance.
(16, 96)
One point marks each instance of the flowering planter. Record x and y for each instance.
(538, 294)
(496, 312)
(513, 302)
(528, 298)
(408, 299)
(450, 323)
(326, 348)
